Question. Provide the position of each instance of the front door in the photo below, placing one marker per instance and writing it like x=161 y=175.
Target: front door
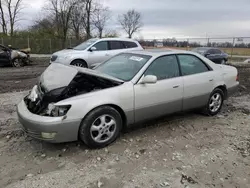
x=198 y=81
x=163 y=97
x=99 y=55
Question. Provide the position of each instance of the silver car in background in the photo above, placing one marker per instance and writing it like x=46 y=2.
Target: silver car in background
x=95 y=105
x=94 y=51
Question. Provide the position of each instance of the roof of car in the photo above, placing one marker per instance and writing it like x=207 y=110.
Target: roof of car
x=159 y=52
x=123 y=39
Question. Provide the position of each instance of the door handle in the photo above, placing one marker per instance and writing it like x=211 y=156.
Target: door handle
x=211 y=80
x=176 y=86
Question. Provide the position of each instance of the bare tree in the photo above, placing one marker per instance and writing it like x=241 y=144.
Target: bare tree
x=77 y=20
x=101 y=16
x=3 y=21
x=87 y=17
x=62 y=11
x=130 y=22
x=14 y=8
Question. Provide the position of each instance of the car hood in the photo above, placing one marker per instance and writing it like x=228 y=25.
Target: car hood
x=59 y=76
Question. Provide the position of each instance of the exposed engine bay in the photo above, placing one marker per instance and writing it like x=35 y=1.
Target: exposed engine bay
x=39 y=98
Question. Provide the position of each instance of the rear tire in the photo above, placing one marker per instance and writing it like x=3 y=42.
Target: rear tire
x=101 y=127
x=215 y=102
x=79 y=63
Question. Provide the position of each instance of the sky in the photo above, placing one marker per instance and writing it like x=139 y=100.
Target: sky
x=173 y=18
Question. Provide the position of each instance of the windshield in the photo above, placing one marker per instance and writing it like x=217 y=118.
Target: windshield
x=85 y=44
x=124 y=66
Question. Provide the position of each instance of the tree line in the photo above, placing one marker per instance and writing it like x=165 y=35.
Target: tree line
x=63 y=19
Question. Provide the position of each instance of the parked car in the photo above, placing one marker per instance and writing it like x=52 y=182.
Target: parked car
x=214 y=54
x=12 y=57
x=94 y=51
x=95 y=105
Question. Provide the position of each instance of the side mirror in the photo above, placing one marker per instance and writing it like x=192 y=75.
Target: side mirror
x=149 y=79
x=92 y=49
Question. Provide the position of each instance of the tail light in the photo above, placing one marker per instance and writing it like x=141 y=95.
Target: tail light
x=237 y=77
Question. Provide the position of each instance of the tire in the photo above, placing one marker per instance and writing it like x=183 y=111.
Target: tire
x=223 y=62
x=215 y=102
x=17 y=63
x=79 y=63
x=101 y=127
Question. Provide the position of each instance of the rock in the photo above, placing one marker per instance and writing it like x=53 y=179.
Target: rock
x=106 y=150
x=164 y=184
x=137 y=156
x=99 y=184
x=117 y=158
x=173 y=158
x=43 y=155
x=144 y=168
x=98 y=158
x=30 y=175
x=8 y=136
x=220 y=116
x=61 y=165
x=16 y=82
x=64 y=149
x=131 y=140
x=153 y=170
x=165 y=160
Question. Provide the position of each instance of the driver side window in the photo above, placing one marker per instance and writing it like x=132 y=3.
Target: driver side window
x=101 y=46
x=164 y=67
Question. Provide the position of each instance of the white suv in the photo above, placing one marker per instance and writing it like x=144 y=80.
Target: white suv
x=94 y=51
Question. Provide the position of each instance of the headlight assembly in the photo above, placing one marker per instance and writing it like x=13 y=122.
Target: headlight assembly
x=58 y=111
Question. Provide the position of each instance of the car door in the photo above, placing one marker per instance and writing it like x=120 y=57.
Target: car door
x=116 y=47
x=163 y=97
x=4 y=56
x=100 y=54
x=218 y=55
x=211 y=55
x=198 y=80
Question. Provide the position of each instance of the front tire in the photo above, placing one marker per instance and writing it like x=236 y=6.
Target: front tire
x=223 y=62
x=17 y=62
x=79 y=63
x=101 y=127
x=215 y=102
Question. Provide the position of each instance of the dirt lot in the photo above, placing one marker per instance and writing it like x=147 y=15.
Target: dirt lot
x=180 y=151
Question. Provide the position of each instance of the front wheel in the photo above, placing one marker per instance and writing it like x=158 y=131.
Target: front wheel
x=79 y=63
x=17 y=62
x=223 y=62
x=215 y=102
x=101 y=127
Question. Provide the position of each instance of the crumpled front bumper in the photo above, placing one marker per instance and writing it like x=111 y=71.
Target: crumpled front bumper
x=36 y=126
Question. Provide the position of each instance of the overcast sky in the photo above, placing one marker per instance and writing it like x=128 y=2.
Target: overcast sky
x=175 y=18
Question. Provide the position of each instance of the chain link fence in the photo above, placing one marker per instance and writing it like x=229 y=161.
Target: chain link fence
x=234 y=46
x=39 y=46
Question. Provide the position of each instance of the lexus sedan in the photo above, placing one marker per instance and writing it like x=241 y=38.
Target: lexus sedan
x=71 y=103
x=214 y=54
x=94 y=51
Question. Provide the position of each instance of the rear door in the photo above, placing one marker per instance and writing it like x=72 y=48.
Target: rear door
x=163 y=97
x=116 y=47
x=4 y=56
x=198 y=81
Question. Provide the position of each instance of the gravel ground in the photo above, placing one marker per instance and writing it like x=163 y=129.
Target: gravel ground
x=179 y=151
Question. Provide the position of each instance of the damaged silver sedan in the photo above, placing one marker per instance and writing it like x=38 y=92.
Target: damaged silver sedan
x=71 y=103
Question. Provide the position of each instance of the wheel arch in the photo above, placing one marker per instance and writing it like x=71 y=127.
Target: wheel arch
x=116 y=107
x=224 y=89
x=79 y=59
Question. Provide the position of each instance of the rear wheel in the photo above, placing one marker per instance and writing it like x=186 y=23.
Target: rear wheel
x=79 y=63
x=101 y=127
x=215 y=102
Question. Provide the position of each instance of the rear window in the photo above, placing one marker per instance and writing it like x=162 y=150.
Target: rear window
x=130 y=44
x=116 y=45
